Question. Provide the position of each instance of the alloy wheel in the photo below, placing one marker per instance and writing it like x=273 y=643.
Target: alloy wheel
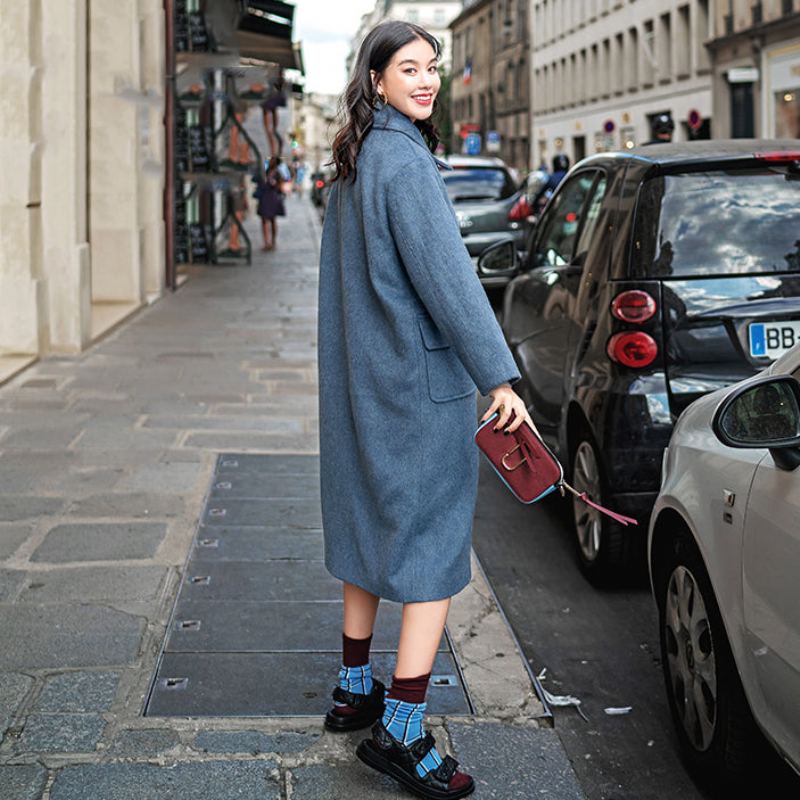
x=588 y=521
x=691 y=660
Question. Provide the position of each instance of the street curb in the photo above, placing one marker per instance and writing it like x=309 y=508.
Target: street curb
x=496 y=674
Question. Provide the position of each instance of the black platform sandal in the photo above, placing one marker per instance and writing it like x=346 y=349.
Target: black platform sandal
x=366 y=708
x=384 y=753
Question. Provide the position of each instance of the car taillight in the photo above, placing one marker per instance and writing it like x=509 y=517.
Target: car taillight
x=633 y=306
x=320 y=184
x=520 y=211
x=779 y=155
x=632 y=349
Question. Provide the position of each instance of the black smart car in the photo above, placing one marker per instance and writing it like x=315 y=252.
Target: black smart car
x=654 y=276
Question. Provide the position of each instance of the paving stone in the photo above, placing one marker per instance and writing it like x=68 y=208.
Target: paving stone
x=22 y=782
x=209 y=780
x=251 y=485
x=506 y=761
x=50 y=637
x=100 y=542
x=247 y=627
x=253 y=441
x=269 y=464
x=61 y=733
x=283 y=425
x=111 y=437
x=257 y=544
x=274 y=684
x=354 y=780
x=14 y=508
x=11 y=582
x=13 y=688
x=135 y=504
x=144 y=742
x=253 y=742
x=174 y=477
x=268 y=580
x=297 y=513
x=39 y=438
x=93 y=583
x=78 y=692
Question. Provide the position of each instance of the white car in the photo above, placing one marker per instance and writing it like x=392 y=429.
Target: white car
x=724 y=558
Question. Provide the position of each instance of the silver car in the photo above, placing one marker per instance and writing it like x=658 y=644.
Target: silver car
x=724 y=557
x=489 y=203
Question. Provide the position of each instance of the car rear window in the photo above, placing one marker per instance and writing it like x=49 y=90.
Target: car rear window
x=724 y=222
x=470 y=184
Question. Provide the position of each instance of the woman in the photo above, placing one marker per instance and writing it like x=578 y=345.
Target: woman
x=270 y=202
x=405 y=334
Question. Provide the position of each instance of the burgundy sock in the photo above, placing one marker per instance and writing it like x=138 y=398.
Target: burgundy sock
x=409 y=690
x=355 y=652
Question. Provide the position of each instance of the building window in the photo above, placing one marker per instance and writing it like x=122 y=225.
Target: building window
x=701 y=33
x=412 y=15
x=605 y=69
x=619 y=63
x=648 y=53
x=683 y=66
x=439 y=17
x=664 y=48
x=632 y=59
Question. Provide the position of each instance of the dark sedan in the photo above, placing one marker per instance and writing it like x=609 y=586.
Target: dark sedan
x=654 y=277
x=489 y=204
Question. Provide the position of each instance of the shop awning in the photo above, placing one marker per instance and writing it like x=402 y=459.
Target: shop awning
x=265 y=32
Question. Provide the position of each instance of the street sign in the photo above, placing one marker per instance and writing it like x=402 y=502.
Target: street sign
x=492 y=141
x=472 y=144
x=695 y=120
x=609 y=126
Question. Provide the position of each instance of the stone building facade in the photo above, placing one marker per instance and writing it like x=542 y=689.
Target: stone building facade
x=491 y=78
x=81 y=227
x=432 y=15
x=602 y=69
x=756 y=74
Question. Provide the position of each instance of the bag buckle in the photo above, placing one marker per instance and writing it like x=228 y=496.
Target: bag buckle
x=519 y=464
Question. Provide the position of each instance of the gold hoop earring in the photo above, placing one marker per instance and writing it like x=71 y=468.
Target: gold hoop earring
x=383 y=98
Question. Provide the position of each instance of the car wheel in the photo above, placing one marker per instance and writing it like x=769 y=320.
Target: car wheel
x=717 y=734
x=604 y=547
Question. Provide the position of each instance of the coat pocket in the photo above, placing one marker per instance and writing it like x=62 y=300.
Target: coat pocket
x=447 y=377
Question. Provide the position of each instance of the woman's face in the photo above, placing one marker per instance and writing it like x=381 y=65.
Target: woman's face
x=411 y=80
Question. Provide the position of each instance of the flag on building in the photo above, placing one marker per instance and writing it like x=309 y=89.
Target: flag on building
x=468 y=71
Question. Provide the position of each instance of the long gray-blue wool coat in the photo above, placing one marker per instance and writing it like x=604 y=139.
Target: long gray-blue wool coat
x=405 y=335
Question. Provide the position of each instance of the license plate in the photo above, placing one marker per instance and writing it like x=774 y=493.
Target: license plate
x=773 y=339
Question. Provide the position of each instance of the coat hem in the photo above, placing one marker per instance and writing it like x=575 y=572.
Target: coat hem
x=396 y=598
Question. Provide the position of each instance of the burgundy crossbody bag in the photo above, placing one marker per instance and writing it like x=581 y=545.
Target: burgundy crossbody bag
x=527 y=466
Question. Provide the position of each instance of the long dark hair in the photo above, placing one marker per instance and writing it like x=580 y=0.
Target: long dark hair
x=357 y=103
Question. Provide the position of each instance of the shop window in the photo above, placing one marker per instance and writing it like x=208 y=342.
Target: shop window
x=787 y=114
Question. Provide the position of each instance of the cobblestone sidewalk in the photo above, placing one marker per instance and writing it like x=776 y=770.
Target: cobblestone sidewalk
x=104 y=463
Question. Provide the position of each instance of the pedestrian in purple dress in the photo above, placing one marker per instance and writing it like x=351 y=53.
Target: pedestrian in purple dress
x=270 y=203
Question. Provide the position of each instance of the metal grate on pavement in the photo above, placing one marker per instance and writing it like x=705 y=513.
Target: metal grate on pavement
x=256 y=626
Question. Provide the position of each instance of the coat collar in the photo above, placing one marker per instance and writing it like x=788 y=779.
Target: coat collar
x=387 y=117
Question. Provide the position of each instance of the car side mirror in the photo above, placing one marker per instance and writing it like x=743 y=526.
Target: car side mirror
x=499 y=260
x=763 y=413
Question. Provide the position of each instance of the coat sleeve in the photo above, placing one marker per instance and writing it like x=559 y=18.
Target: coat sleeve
x=427 y=236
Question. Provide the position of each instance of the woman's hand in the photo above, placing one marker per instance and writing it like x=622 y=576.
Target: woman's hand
x=505 y=400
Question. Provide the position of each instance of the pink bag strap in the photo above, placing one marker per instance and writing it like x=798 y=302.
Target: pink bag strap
x=621 y=518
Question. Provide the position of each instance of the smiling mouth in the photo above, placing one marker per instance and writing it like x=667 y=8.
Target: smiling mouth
x=422 y=98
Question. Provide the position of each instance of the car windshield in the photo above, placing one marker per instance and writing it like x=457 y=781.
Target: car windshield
x=718 y=223
x=466 y=184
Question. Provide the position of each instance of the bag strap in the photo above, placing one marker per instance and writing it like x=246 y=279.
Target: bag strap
x=621 y=518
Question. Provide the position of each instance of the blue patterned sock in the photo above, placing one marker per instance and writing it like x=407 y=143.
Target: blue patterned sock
x=356 y=679
x=404 y=722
